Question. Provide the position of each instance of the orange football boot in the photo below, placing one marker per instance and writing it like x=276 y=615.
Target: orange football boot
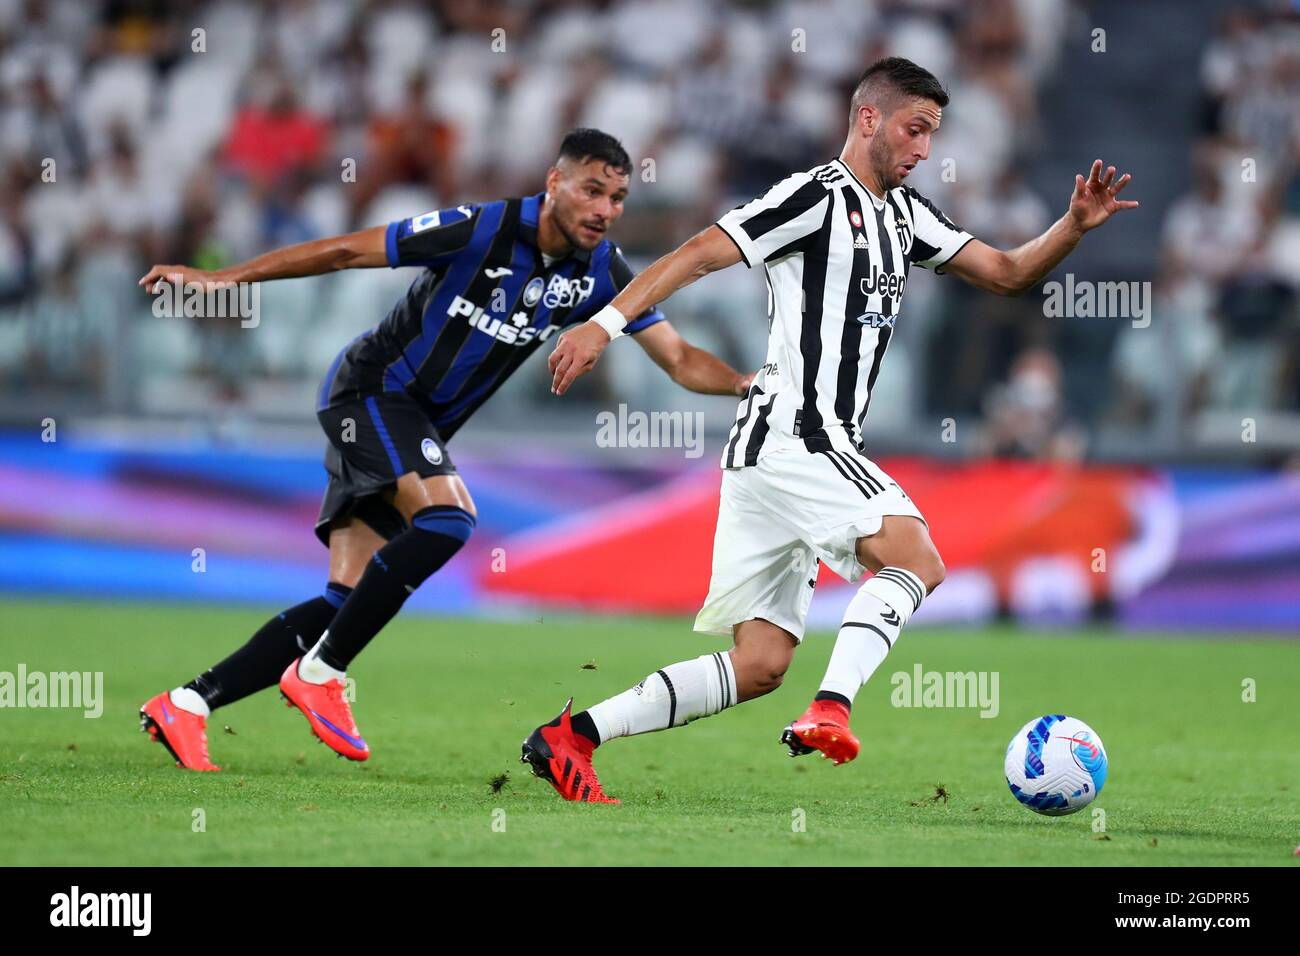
x=824 y=726
x=562 y=756
x=183 y=734
x=326 y=710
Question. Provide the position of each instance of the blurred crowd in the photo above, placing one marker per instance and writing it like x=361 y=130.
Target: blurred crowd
x=134 y=132
x=1228 y=286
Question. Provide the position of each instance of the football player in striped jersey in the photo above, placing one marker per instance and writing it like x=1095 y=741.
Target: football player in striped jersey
x=836 y=244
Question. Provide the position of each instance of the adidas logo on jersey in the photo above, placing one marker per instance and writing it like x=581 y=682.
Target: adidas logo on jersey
x=859 y=241
x=828 y=175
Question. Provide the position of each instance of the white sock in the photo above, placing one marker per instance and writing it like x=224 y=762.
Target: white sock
x=872 y=625
x=315 y=671
x=675 y=695
x=191 y=700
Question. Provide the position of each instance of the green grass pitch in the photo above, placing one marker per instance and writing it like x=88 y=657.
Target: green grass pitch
x=1197 y=776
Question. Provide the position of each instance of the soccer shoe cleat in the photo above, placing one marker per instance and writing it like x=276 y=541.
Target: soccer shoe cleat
x=183 y=734
x=562 y=756
x=327 y=711
x=824 y=726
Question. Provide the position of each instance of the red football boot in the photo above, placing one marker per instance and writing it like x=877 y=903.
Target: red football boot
x=557 y=753
x=326 y=710
x=183 y=734
x=824 y=726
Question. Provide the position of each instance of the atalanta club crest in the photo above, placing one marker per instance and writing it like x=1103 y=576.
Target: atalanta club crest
x=533 y=291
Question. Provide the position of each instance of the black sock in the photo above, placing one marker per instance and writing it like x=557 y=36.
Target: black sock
x=831 y=695
x=260 y=662
x=583 y=724
x=396 y=570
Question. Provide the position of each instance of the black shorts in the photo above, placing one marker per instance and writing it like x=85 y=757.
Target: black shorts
x=373 y=441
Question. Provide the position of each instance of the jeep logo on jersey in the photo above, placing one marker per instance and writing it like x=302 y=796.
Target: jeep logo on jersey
x=877 y=320
x=883 y=283
x=514 y=331
x=562 y=293
x=533 y=291
x=431 y=452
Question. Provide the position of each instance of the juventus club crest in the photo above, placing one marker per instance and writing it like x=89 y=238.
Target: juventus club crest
x=904 y=235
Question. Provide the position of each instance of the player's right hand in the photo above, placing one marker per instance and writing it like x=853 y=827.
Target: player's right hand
x=177 y=275
x=576 y=351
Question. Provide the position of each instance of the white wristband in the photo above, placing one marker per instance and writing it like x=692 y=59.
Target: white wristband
x=611 y=320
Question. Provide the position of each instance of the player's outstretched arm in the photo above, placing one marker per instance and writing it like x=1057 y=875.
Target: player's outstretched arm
x=577 y=350
x=356 y=250
x=1020 y=269
x=692 y=368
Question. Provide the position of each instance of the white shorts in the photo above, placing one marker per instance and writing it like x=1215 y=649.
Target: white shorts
x=778 y=519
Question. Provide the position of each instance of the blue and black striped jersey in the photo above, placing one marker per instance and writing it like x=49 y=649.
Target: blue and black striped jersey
x=483 y=302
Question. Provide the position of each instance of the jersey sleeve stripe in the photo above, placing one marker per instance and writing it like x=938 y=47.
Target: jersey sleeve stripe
x=748 y=251
x=390 y=244
x=801 y=202
x=784 y=213
x=786 y=237
x=736 y=242
x=938 y=266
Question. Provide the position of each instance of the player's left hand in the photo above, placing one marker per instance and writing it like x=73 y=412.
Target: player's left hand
x=743 y=383
x=179 y=276
x=1093 y=201
x=576 y=351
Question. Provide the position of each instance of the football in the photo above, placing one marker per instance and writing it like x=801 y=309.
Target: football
x=1056 y=765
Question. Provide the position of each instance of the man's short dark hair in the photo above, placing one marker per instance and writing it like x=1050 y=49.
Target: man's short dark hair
x=584 y=144
x=892 y=79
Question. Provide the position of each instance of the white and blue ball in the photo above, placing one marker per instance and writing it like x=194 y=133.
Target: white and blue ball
x=1056 y=765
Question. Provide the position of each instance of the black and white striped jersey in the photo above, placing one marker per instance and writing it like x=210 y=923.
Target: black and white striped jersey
x=837 y=260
